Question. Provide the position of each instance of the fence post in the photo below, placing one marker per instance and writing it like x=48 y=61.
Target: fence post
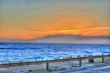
x=91 y=59
x=47 y=66
x=102 y=58
x=80 y=61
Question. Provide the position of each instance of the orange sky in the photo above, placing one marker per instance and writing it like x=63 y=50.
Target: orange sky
x=29 y=20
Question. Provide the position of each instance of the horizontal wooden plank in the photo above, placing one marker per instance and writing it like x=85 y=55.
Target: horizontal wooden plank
x=12 y=64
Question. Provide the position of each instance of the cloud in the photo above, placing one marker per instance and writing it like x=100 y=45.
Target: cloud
x=98 y=31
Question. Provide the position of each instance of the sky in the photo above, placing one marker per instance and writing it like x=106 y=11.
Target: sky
x=27 y=19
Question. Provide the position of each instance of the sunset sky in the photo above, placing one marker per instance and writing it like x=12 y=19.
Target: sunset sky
x=27 y=19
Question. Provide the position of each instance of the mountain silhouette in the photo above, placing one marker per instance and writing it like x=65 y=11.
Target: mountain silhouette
x=75 y=39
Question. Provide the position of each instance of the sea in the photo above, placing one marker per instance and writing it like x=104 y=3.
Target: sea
x=26 y=52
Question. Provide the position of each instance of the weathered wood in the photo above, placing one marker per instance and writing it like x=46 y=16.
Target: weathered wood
x=80 y=61
x=91 y=59
x=102 y=58
x=50 y=61
x=47 y=66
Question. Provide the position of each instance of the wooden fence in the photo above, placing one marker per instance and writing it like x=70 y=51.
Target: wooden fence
x=47 y=62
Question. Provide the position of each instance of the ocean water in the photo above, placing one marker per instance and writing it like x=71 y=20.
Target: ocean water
x=15 y=52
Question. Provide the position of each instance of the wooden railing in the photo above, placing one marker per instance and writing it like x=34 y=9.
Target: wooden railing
x=47 y=62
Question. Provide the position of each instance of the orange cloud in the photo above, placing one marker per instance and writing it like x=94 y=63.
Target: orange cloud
x=97 y=31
